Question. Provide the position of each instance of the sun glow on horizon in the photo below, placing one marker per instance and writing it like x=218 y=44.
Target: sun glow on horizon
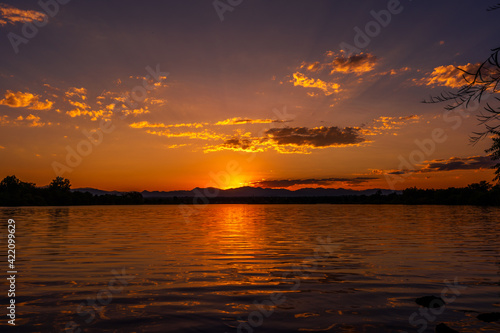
x=236 y=182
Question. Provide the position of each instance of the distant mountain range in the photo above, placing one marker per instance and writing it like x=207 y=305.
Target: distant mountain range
x=247 y=192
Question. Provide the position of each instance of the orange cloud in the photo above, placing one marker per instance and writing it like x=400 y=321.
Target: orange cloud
x=80 y=105
x=395 y=71
x=13 y=15
x=79 y=92
x=30 y=120
x=176 y=146
x=159 y=82
x=4 y=120
x=94 y=115
x=35 y=121
x=133 y=112
x=328 y=88
x=230 y=121
x=239 y=121
x=312 y=67
x=146 y=124
x=83 y=109
x=448 y=76
x=155 y=101
x=27 y=100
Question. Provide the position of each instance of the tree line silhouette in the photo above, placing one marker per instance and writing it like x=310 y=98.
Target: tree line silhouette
x=14 y=192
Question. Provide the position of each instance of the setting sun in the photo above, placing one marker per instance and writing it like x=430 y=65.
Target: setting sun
x=236 y=181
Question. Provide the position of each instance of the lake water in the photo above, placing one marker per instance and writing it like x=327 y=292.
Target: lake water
x=252 y=268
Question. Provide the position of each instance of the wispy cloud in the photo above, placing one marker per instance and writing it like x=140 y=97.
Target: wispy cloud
x=393 y=72
x=93 y=114
x=230 y=121
x=146 y=124
x=134 y=112
x=202 y=135
x=176 y=146
x=160 y=82
x=240 y=121
x=12 y=15
x=155 y=101
x=390 y=125
x=21 y=99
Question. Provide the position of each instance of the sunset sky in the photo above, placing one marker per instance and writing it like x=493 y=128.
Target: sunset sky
x=179 y=94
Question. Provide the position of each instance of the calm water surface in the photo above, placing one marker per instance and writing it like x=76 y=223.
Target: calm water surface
x=315 y=268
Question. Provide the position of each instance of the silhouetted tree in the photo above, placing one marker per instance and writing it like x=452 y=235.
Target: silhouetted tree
x=14 y=191
x=60 y=184
x=481 y=82
x=12 y=183
x=482 y=186
x=495 y=154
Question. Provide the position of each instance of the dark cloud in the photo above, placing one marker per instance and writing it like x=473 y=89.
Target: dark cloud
x=315 y=137
x=458 y=163
x=282 y=183
x=451 y=164
x=238 y=143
